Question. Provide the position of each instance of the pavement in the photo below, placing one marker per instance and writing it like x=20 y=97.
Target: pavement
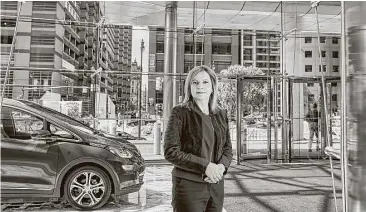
x=251 y=186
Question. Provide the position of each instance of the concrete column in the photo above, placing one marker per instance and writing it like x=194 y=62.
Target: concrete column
x=21 y=51
x=356 y=107
x=170 y=56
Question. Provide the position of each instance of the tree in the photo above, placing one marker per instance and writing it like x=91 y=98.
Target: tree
x=254 y=93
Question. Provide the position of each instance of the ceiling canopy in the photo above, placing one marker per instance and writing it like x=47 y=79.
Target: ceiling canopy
x=255 y=15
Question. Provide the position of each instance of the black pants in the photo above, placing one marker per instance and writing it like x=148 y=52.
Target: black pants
x=192 y=196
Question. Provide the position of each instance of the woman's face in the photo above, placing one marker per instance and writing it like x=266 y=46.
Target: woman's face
x=201 y=86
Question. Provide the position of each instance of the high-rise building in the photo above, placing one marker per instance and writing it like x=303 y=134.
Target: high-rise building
x=43 y=43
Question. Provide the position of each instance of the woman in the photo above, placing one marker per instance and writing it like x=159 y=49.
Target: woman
x=197 y=142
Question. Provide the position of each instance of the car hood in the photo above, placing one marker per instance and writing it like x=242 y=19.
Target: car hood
x=111 y=140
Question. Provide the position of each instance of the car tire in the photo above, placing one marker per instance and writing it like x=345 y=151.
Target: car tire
x=87 y=188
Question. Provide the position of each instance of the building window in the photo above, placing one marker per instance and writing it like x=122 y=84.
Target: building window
x=221 y=65
x=334 y=40
x=324 y=54
x=188 y=65
x=308 y=54
x=308 y=68
x=8 y=22
x=159 y=47
x=324 y=68
x=335 y=54
x=189 y=48
x=6 y=39
x=333 y=84
x=221 y=48
x=160 y=66
x=334 y=97
x=308 y=39
x=310 y=97
x=310 y=84
x=322 y=39
x=335 y=68
x=221 y=32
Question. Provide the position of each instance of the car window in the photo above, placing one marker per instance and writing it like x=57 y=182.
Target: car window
x=59 y=132
x=21 y=125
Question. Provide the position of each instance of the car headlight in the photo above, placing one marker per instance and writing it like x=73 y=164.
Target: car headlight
x=122 y=153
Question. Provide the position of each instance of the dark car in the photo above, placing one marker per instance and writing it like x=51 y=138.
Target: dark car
x=47 y=154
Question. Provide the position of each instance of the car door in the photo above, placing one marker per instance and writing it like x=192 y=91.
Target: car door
x=28 y=163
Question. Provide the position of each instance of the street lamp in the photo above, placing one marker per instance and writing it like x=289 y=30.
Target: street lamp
x=140 y=89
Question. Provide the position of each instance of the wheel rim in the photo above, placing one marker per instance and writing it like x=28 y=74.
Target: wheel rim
x=87 y=189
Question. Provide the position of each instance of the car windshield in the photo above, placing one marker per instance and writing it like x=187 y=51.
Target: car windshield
x=77 y=124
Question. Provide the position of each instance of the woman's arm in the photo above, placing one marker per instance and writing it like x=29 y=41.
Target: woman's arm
x=172 y=146
x=227 y=152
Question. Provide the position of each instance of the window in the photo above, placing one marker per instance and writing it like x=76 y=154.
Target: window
x=310 y=84
x=335 y=54
x=20 y=125
x=333 y=84
x=189 y=48
x=221 y=48
x=324 y=54
x=310 y=97
x=6 y=39
x=221 y=32
x=8 y=22
x=159 y=47
x=58 y=132
x=334 y=40
x=220 y=65
x=324 y=68
x=308 y=40
x=322 y=39
x=308 y=54
x=334 y=97
x=188 y=65
x=308 y=68
x=160 y=66
x=335 y=68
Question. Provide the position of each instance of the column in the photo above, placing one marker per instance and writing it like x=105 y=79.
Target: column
x=170 y=50
x=355 y=28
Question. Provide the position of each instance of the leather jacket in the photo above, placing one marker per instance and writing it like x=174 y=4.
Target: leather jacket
x=183 y=139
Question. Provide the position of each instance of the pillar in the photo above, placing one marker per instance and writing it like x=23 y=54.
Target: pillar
x=355 y=28
x=170 y=56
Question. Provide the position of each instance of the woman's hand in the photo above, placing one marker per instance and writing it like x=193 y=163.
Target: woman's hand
x=214 y=173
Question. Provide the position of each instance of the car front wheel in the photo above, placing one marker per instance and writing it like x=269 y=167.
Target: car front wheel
x=87 y=188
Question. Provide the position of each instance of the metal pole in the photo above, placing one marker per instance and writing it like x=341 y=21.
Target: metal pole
x=275 y=120
x=169 y=57
x=11 y=53
x=140 y=90
x=326 y=122
x=238 y=120
x=344 y=156
x=290 y=105
x=268 y=105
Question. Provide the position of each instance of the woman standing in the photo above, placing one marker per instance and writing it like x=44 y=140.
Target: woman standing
x=197 y=142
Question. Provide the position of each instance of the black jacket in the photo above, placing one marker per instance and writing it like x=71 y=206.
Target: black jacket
x=183 y=139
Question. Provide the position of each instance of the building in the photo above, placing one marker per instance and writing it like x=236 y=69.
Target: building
x=123 y=49
x=43 y=43
x=217 y=48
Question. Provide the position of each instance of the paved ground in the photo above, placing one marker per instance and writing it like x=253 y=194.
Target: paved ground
x=252 y=186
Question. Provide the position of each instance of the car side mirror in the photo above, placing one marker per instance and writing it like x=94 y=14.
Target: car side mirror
x=41 y=134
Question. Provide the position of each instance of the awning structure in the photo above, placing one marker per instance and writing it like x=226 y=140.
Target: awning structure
x=254 y=15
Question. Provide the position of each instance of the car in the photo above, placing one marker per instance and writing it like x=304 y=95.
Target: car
x=46 y=154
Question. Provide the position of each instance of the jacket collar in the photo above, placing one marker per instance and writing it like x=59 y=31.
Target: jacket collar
x=192 y=106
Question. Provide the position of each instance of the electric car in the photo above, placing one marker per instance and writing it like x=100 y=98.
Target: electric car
x=46 y=154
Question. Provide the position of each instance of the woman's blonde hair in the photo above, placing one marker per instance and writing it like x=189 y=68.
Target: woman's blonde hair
x=187 y=86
